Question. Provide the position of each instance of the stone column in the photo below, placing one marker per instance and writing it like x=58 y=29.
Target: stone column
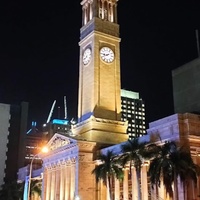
x=91 y=12
x=76 y=175
x=44 y=183
x=48 y=184
x=87 y=12
x=102 y=190
x=134 y=184
x=115 y=13
x=107 y=190
x=72 y=186
x=153 y=192
x=62 y=174
x=125 y=185
x=102 y=10
x=58 y=169
x=111 y=13
x=161 y=190
x=144 y=183
x=52 y=192
x=85 y=15
x=67 y=182
x=117 y=189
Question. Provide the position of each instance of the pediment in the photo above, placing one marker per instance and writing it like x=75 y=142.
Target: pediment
x=58 y=141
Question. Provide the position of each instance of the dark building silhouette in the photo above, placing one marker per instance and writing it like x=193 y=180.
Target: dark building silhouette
x=186 y=87
x=13 y=120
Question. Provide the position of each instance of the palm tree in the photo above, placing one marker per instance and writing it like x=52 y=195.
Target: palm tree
x=36 y=187
x=11 y=191
x=169 y=163
x=132 y=153
x=108 y=170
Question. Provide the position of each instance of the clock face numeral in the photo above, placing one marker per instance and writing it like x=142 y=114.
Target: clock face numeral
x=87 y=56
x=107 y=54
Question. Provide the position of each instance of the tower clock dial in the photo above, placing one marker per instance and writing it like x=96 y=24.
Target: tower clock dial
x=87 y=56
x=107 y=54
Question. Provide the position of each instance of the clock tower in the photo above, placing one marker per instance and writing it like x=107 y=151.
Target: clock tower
x=99 y=100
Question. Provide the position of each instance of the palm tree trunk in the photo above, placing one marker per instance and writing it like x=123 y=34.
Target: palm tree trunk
x=138 y=183
x=110 y=188
x=175 y=187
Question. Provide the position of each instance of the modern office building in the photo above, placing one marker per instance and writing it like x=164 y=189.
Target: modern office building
x=62 y=126
x=186 y=87
x=13 y=126
x=133 y=111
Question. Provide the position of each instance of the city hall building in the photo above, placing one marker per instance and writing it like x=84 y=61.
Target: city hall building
x=67 y=167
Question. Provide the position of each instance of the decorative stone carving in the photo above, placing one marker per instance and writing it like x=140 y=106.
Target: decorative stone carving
x=58 y=142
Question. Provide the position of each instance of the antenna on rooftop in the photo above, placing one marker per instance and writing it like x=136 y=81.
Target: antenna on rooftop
x=51 y=111
x=197 y=37
x=58 y=112
x=65 y=107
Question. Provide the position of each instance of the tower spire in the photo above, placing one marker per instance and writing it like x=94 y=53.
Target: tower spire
x=65 y=107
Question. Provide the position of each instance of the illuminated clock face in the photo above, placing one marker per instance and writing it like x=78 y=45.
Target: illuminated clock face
x=87 y=56
x=107 y=54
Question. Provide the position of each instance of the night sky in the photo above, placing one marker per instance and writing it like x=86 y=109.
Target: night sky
x=39 y=52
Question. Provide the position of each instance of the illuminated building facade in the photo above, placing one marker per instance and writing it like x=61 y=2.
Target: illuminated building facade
x=99 y=107
x=133 y=110
x=182 y=128
x=66 y=167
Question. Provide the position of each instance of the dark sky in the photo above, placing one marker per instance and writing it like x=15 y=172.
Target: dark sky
x=39 y=52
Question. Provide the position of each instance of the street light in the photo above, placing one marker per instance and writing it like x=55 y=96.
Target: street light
x=44 y=150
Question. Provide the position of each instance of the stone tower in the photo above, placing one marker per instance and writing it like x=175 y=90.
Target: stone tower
x=99 y=100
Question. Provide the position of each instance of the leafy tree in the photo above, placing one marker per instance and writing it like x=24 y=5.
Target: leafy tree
x=11 y=191
x=108 y=170
x=170 y=162
x=132 y=154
